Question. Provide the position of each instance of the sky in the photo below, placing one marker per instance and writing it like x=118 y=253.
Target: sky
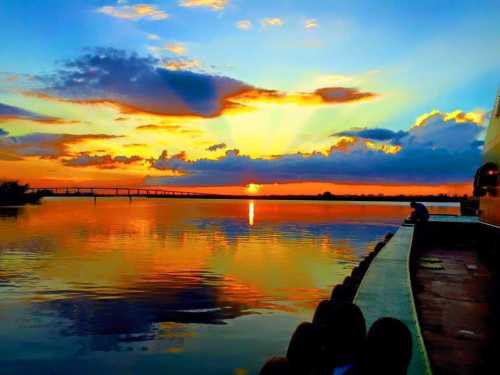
x=235 y=96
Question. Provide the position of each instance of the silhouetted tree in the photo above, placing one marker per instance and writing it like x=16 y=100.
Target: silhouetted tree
x=12 y=192
x=327 y=195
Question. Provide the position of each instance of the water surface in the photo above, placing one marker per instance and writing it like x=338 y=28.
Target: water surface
x=174 y=286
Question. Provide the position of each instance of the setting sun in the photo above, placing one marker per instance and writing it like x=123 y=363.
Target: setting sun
x=253 y=188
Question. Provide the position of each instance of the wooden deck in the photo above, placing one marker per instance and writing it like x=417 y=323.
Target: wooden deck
x=386 y=291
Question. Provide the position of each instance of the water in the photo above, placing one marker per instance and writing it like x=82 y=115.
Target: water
x=171 y=286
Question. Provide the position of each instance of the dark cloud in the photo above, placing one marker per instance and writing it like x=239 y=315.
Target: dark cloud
x=377 y=134
x=322 y=96
x=11 y=112
x=45 y=145
x=141 y=84
x=165 y=162
x=144 y=84
x=101 y=161
x=343 y=94
x=437 y=152
x=218 y=146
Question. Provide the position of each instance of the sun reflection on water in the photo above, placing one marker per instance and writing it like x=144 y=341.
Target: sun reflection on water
x=251 y=212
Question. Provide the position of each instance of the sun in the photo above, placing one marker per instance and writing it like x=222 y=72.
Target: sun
x=253 y=188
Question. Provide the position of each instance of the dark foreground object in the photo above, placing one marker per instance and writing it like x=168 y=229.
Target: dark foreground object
x=336 y=339
x=14 y=194
x=456 y=289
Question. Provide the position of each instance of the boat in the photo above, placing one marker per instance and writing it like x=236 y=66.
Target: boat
x=486 y=181
x=439 y=278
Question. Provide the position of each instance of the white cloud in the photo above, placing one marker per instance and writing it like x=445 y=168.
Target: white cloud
x=153 y=37
x=310 y=24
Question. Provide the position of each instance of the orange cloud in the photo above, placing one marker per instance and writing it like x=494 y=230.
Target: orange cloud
x=45 y=145
x=384 y=147
x=47 y=121
x=239 y=102
x=192 y=64
x=183 y=111
x=236 y=103
x=344 y=144
x=458 y=116
x=134 y=12
x=133 y=145
x=327 y=95
x=177 y=48
x=154 y=127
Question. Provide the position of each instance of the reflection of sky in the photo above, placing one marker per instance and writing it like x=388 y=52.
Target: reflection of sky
x=184 y=284
x=357 y=235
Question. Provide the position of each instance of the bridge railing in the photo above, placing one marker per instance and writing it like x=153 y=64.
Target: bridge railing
x=112 y=191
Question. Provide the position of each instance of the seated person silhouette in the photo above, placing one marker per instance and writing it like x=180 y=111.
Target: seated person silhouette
x=419 y=213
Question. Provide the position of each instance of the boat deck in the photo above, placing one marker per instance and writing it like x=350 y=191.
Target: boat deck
x=455 y=294
x=453 y=219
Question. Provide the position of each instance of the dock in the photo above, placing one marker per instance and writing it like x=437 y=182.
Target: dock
x=438 y=278
x=386 y=290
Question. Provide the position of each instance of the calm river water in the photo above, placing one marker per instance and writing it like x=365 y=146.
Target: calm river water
x=171 y=286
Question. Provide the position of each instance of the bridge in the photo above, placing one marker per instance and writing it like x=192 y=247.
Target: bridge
x=95 y=192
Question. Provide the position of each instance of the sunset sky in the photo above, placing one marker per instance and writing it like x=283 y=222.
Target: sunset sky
x=281 y=97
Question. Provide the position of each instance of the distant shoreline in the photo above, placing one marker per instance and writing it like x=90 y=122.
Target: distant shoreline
x=333 y=198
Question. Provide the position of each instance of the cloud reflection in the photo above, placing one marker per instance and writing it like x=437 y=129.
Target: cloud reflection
x=117 y=275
